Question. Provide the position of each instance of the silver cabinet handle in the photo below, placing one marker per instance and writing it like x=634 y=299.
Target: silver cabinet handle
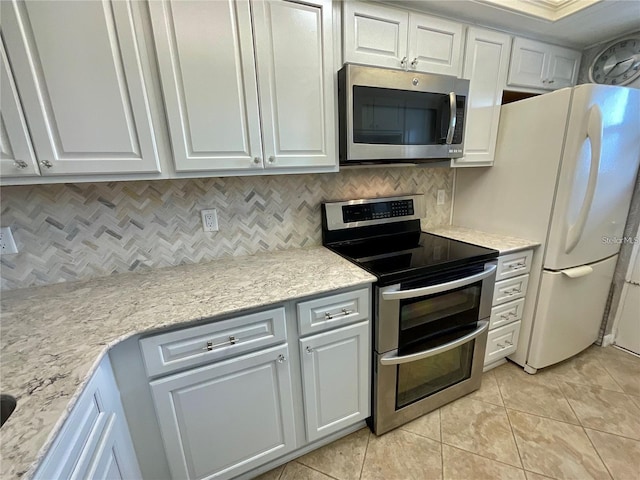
x=513 y=291
x=508 y=342
x=309 y=350
x=516 y=265
x=452 y=119
x=392 y=357
x=46 y=163
x=403 y=62
x=551 y=81
x=443 y=287
x=414 y=63
x=505 y=317
x=20 y=164
x=256 y=160
x=345 y=312
x=210 y=345
x=272 y=159
x=282 y=358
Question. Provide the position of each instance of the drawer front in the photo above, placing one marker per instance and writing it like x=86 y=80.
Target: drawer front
x=501 y=342
x=333 y=311
x=514 y=264
x=194 y=346
x=510 y=289
x=506 y=313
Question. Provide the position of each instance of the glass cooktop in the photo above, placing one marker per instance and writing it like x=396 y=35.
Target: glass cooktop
x=395 y=258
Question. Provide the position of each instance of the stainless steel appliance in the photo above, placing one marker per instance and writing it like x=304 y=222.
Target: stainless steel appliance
x=393 y=116
x=432 y=303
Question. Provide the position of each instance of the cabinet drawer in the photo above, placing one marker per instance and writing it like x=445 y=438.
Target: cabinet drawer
x=501 y=342
x=506 y=313
x=514 y=264
x=334 y=311
x=510 y=289
x=198 y=345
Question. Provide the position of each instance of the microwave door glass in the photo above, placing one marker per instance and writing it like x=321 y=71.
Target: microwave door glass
x=398 y=117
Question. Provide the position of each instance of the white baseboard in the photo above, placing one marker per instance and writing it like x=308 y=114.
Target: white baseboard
x=608 y=340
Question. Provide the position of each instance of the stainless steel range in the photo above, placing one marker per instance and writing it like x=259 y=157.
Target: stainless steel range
x=432 y=303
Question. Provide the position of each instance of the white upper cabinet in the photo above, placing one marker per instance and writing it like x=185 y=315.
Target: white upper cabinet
x=486 y=65
x=294 y=52
x=375 y=35
x=539 y=65
x=388 y=37
x=207 y=66
x=435 y=45
x=78 y=71
x=225 y=115
x=17 y=157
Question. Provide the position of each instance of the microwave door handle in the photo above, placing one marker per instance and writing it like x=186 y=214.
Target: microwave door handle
x=452 y=117
x=441 y=287
x=392 y=358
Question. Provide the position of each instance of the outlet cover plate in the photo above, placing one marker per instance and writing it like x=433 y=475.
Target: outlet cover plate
x=440 y=200
x=7 y=244
x=209 y=220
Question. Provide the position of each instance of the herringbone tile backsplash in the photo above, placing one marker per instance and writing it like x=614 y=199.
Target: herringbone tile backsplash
x=69 y=232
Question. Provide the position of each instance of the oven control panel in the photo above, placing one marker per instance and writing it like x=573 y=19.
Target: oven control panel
x=372 y=211
x=377 y=211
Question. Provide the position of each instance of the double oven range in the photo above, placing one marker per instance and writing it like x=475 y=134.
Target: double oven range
x=432 y=303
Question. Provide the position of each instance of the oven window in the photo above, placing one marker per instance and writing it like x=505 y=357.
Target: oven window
x=424 y=317
x=419 y=379
x=397 y=117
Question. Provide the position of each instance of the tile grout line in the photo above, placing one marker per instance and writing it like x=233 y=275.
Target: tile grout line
x=315 y=470
x=482 y=456
x=608 y=372
x=597 y=453
x=513 y=434
x=364 y=458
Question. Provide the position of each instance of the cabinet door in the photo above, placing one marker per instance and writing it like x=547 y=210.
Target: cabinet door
x=78 y=70
x=207 y=66
x=435 y=45
x=335 y=379
x=563 y=67
x=374 y=35
x=94 y=441
x=486 y=65
x=16 y=153
x=529 y=63
x=226 y=418
x=294 y=52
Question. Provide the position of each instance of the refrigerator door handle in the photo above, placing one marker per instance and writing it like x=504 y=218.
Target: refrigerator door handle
x=577 y=272
x=594 y=134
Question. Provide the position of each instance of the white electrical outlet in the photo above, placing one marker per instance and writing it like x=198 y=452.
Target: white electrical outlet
x=209 y=220
x=440 y=197
x=7 y=245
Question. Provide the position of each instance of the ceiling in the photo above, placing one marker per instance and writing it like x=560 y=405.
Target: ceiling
x=577 y=23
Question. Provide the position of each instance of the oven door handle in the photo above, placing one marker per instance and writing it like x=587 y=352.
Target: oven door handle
x=391 y=358
x=442 y=287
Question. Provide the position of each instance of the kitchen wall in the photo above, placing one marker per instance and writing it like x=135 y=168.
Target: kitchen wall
x=69 y=232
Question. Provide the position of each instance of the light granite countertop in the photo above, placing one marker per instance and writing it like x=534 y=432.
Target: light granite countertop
x=53 y=337
x=502 y=243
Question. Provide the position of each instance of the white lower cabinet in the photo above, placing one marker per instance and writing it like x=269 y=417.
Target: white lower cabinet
x=509 y=297
x=226 y=418
x=94 y=442
x=335 y=379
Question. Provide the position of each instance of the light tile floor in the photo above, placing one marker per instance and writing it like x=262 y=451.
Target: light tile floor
x=577 y=420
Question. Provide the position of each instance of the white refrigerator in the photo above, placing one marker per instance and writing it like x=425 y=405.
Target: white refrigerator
x=563 y=176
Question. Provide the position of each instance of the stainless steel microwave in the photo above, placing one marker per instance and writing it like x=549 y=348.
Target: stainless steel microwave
x=391 y=116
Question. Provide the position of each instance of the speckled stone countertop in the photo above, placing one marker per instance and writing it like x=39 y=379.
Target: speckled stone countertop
x=53 y=337
x=502 y=243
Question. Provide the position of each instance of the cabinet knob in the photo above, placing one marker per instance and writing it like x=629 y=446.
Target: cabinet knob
x=403 y=62
x=20 y=164
x=328 y=316
x=256 y=160
x=309 y=350
x=282 y=358
x=46 y=163
x=551 y=81
x=414 y=62
x=272 y=159
x=346 y=312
